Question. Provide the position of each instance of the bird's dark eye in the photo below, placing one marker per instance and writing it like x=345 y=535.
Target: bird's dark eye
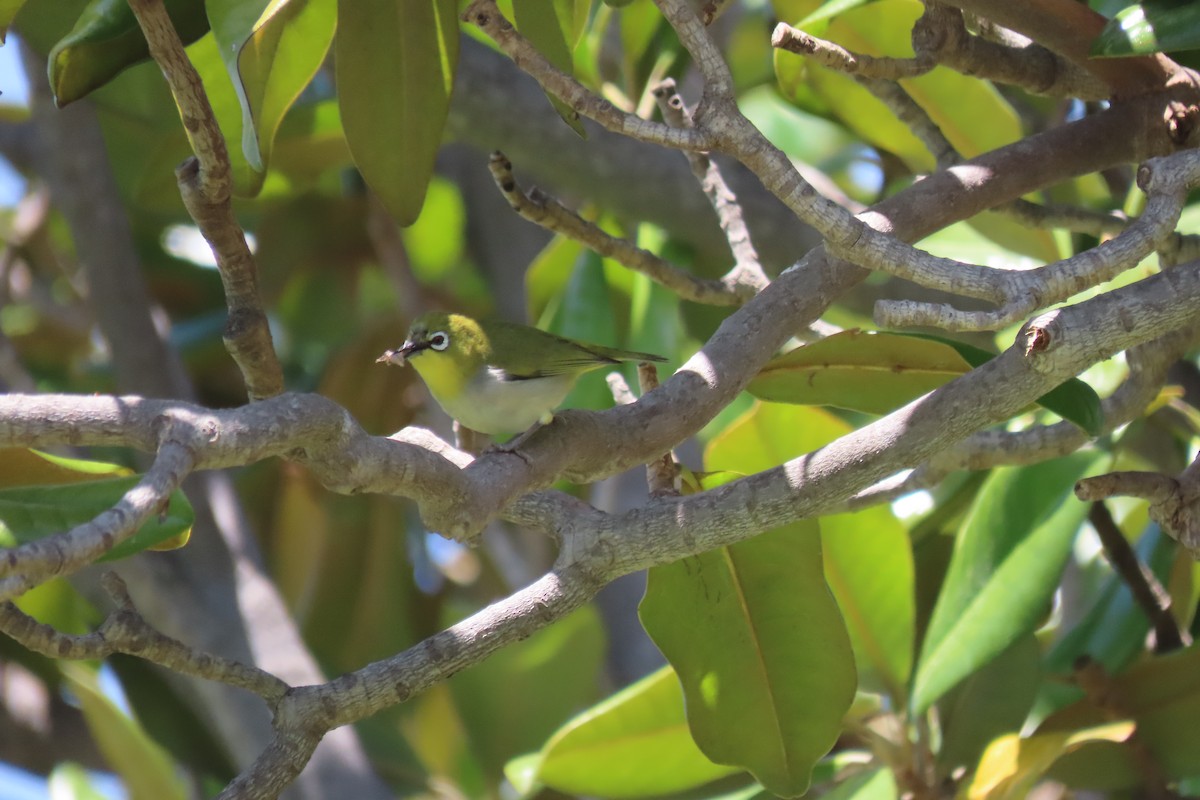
x=439 y=341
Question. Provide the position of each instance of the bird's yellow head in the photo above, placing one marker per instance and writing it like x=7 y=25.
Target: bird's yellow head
x=445 y=349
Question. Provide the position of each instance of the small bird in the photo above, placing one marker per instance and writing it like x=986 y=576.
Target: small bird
x=498 y=377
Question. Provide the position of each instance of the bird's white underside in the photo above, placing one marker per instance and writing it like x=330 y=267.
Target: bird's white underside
x=491 y=404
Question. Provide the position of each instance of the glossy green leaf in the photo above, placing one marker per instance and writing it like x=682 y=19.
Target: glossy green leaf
x=654 y=323
x=1145 y=28
x=584 y=313
x=867 y=559
x=144 y=767
x=1004 y=570
x=57 y=603
x=769 y=434
x=878 y=612
x=640 y=24
x=8 y=10
x=1073 y=400
x=106 y=39
x=993 y=701
x=271 y=50
x=33 y=512
x=633 y=744
x=869 y=566
x=872 y=372
x=550 y=27
x=752 y=630
x=395 y=69
x=760 y=647
x=879 y=372
x=525 y=682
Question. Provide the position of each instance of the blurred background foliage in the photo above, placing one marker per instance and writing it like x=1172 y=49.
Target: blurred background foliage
x=953 y=621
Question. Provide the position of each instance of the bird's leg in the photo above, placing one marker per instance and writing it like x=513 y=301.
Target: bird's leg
x=469 y=440
x=514 y=443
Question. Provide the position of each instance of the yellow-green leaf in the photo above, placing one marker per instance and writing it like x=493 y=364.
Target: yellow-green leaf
x=760 y=647
x=873 y=372
x=395 y=70
x=8 y=10
x=106 y=39
x=635 y=743
x=271 y=49
x=1011 y=765
x=550 y=26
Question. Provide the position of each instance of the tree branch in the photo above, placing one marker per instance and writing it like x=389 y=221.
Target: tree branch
x=206 y=185
x=125 y=631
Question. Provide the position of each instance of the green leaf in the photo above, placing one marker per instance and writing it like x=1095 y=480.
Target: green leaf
x=971 y=113
x=770 y=434
x=550 y=27
x=271 y=50
x=752 y=630
x=879 y=372
x=33 y=512
x=867 y=558
x=869 y=567
x=1145 y=28
x=995 y=700
x=106 y=39
x=872 y=372
x=585 y=313
x=1004 y=570
x=760 y=647
x=8 y=10
x=633 y=744
x=145 y=768
x=1073 y=400
x=309 y=143
x=395 y=70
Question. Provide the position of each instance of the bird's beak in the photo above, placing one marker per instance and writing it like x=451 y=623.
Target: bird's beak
x=400 y=357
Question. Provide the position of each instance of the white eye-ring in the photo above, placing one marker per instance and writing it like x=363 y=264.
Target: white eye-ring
x=439 y=341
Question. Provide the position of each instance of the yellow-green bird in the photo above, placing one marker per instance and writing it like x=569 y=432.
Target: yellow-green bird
x=498 y=377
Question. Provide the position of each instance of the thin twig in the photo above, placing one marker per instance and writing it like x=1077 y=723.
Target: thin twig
x=125 y=631
x=836 y=57
x=206 y=185
x=541 y=209
x=1148 y=593
x=36 y=562
x=662 y=474
x=747 y=269
x=1166 y=181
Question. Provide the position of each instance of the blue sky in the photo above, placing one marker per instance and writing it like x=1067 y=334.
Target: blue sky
x=14 y=90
